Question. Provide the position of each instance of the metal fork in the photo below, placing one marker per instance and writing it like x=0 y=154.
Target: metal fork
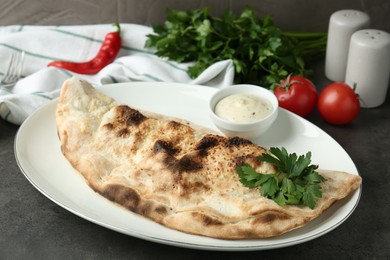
x=14 y=70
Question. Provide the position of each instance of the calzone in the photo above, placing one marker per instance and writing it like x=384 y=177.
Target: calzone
x=175 y=173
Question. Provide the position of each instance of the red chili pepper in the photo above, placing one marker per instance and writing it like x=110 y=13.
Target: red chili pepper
x=107 y=53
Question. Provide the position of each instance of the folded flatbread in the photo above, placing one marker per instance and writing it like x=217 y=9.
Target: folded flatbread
x=175 y=173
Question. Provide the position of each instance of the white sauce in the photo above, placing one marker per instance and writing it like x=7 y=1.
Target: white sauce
x=243 y=108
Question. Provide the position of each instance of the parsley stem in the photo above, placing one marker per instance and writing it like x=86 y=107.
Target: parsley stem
x=305 y=35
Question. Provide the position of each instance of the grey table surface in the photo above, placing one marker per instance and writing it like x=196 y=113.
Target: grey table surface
x=34 y=227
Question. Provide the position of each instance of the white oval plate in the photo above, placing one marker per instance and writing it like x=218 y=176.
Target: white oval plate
x=37 y=150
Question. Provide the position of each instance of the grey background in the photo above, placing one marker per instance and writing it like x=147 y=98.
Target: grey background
x=302 y=15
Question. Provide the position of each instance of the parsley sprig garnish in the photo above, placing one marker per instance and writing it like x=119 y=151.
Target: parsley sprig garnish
x=296 y=181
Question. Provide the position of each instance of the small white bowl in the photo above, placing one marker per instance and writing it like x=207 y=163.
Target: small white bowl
x=245 y=130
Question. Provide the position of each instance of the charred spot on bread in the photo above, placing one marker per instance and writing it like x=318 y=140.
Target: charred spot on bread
x=236 y=142
x=122 y=195
x=186 y=163
x=109 y=126
x=145 y=209
x=161 y=210
x=271 y=216
x=129 y=116
x=164 y=146
x=206 y=220
x=206 y=143
x=123 y=132
x=189 y=188
x=174 y=125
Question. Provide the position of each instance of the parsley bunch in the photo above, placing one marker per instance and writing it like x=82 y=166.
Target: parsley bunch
x=295 y=182
x=261 y=52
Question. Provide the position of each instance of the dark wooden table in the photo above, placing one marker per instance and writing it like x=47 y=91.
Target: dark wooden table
x=33 y=227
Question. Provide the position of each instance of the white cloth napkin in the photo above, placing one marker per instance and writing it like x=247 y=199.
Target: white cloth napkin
x=42 y=44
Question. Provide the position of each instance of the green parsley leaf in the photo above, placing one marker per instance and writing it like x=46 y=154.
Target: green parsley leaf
x=248 y=176
x=296 y=180
x=270 y=186
x=311 y=194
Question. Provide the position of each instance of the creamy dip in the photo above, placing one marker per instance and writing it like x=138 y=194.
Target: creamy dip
x=243 y=108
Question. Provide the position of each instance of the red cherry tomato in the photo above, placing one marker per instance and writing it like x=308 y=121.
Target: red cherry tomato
x=338 y=104
x=297 y=94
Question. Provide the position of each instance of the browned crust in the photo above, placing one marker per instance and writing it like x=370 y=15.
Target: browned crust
x=177 y=174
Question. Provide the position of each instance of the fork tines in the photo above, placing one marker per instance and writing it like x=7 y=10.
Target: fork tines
x=14 y=69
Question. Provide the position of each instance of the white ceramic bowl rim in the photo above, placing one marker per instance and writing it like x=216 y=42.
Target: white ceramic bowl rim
x=242 y=88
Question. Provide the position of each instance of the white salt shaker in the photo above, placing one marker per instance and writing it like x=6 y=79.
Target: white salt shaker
x=368 y=66
x=342 y=24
